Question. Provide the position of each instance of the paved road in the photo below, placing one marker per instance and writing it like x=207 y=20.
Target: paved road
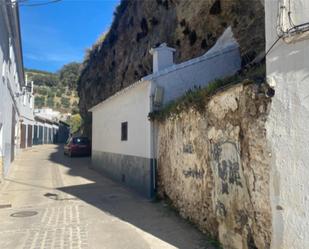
x=52 y=201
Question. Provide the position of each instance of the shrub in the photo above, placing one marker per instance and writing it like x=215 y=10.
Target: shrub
x=75 y=122
x=50 y=102
x=65 y=102
x=50 y=94
x=68 y=92
x=39 y=101
x=59 y=93
x=42 y=90
x=197 y=97
x=58 y=105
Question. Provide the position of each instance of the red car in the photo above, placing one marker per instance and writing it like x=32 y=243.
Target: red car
x=78 y=146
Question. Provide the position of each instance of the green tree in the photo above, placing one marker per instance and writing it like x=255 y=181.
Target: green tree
x=50 y=93
x=75 y=122
x=58 y=105
x=42 y=90
x=59 y=93
x=75 y=110
x=65 y=102
x=69 y=92
x=39 y=101
x=44 y=79
x=68 y=75
x=50 y=102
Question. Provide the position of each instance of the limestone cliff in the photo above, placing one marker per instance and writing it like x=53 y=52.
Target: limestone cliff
x=192 y=27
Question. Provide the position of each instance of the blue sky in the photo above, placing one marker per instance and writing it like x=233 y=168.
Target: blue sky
x=58 y=33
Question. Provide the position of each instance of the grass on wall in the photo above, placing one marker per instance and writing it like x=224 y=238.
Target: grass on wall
x=197 y=97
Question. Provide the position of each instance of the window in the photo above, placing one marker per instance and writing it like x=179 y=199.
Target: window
x=124 y=131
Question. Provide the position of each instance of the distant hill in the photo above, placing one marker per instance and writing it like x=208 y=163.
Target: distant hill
x=56 y=90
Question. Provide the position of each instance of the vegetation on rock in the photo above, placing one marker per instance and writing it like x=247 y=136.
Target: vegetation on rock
x=121 y=56
x=196 y=98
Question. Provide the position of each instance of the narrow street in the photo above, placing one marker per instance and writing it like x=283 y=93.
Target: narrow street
x=52 y=201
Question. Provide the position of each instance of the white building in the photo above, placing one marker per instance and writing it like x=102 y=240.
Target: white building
x=47 y=113
x=123 y=137
x=45 y=131
x=287 y=127
x=16 y=100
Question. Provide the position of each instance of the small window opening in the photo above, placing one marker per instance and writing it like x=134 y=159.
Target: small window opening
x=124 y=131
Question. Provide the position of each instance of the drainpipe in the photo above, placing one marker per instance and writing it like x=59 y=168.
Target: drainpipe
x=152 y=142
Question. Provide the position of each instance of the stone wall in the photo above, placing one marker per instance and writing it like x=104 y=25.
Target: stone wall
x=214 y=166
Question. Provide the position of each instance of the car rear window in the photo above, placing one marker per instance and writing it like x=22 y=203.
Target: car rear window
x=80 y=140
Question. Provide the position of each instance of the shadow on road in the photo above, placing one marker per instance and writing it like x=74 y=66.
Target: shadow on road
x=155 y=218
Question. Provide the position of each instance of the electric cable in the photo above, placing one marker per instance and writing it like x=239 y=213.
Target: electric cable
x=271 y=47
x=27 y=3
x=39 y=4
x=301 y=28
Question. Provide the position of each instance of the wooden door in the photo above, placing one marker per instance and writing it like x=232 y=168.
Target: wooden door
x=29 y=143
x=23 y=130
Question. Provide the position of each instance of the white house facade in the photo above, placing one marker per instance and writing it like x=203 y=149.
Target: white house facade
x=44 y=131
x=123 y=139
x=287 y=37
x=16 y=99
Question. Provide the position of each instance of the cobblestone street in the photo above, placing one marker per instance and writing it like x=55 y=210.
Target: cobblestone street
x=52 y=201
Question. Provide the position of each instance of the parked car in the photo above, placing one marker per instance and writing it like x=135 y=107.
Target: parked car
x=78 y=146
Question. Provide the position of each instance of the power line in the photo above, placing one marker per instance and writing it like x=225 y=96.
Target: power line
x=27 y=3
x=38 y=4
x=293 y=29
x=271 y=47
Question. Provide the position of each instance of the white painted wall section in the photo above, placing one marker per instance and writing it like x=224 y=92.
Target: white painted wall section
x=133 y=107
x=162 y=57
x=220 y=61
x=288 y=131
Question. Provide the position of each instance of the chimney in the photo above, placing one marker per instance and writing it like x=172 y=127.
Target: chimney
x=162 y=57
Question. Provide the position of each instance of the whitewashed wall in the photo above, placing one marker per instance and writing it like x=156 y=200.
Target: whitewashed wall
x=178 y=79
x=222 y=60
x=8 y=78
x=11 y=80
x=133 y=106
x=288 y=132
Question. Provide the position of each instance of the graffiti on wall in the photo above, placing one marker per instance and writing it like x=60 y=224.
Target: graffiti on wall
x=194 y=173
x=227 y=163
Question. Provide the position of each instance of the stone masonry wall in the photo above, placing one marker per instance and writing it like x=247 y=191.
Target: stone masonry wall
x=214 y=166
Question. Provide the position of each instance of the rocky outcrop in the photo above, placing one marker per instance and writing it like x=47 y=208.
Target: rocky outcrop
x=192 y=27
x=214 y=166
